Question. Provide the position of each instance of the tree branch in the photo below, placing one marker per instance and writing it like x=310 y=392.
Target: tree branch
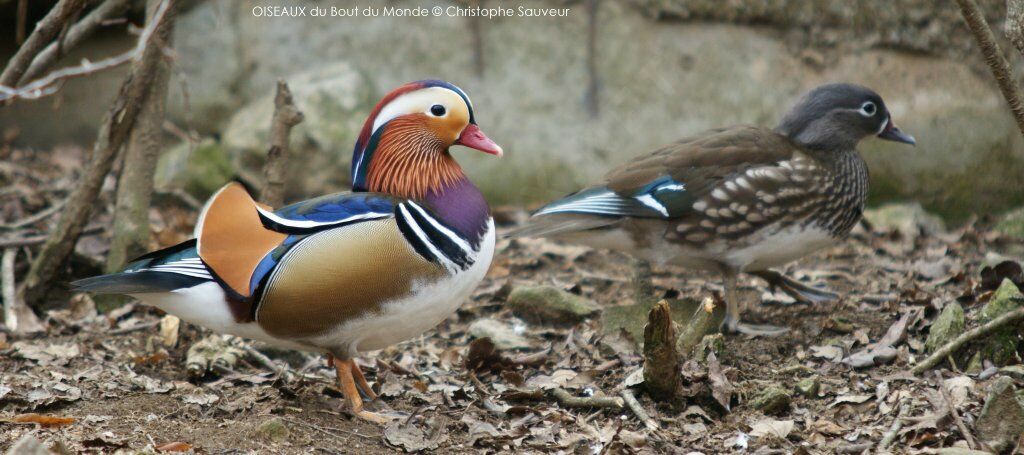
x=45 y=31
x=114 y=130
x=286 y=115
x=79 y=32
x=994 y=58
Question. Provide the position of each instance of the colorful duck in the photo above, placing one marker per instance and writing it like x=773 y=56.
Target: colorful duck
x=346 y=272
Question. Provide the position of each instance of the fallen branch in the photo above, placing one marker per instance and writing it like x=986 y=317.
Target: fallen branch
x=638 y=410
x=286 y=115
x=116 y=126
x=262 y=359
x=994 y=58
x=897 y=424
x=45 y=31
x=953 y=412
x=35 y=217
x=76 y=34
x=700 y=324
x=38 y=239
x=977 y=332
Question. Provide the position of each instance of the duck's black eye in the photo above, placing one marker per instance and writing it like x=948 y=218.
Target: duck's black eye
x=437 y=110
x=868 y=109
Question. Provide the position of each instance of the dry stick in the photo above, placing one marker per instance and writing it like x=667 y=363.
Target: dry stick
x=894 y=430
x=634 y=405
x=38 y=239
x=116 y=126
x=286 y=115
x=48 y=84
x=78 y=33
x=568 y=400
x=956 y=415
x=131 y=235
x=35 y=217
x=45 y=31
x=994 y=58
x=17 y=317
x=19 y=35
x=977 y=332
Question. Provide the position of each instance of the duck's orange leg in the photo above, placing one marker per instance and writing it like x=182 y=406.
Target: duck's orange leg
x=347 y=371
x=364 y=386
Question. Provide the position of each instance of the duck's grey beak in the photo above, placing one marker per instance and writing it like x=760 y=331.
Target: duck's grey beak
x=893 y=133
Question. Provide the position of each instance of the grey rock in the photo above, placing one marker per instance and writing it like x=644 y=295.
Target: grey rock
x=1001 y=420
x=550 y=305
x=503 y=336
x=28 y=445
x=910 y=219
x=1012 y=224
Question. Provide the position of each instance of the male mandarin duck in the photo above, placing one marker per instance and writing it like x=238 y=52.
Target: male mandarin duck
x=346 y=272
x=737 y=199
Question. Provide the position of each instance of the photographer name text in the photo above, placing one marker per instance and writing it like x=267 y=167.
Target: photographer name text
x=394 y=11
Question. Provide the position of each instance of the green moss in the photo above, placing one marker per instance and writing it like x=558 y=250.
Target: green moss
x=1001 y=345
x=949 y=325
x=1012 y=224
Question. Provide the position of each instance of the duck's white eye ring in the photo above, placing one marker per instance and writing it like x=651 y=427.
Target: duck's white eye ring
x=868 y=109
x=438 y=110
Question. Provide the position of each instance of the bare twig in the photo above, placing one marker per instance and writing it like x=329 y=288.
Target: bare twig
x=262 y=359
x=286 y=115
x=35 y=217
x=958 y=342
x=953 y=412
x=45 y=31
x=568 y=400
x=38 y=239
x=638 y=410
x=661 y=361
x=894 y=430
x=76 y=34
x=19 y=34
x=114 y=130
x=854 y=448
x=994 y=58
x=130 y=228
x=48 y=85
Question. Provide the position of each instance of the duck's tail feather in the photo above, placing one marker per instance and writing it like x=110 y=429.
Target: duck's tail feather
x=555 y=225
x=143 y=282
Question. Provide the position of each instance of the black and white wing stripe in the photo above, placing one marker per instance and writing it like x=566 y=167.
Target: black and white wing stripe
x=192 y=267
x=432 y=239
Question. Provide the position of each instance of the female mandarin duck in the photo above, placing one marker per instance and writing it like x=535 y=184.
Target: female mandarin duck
x=739 y=199
x=347 y=272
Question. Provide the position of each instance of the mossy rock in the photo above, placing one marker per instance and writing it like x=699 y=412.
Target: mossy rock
x=1012 y=224
x=949 y=325
x=771 y=399
x=200 y=170
x=1001 y=345
x=550 y=305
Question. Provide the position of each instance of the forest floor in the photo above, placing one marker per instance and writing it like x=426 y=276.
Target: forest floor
x=104 y=382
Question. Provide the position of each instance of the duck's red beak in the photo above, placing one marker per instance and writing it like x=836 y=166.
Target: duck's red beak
x=473 y=138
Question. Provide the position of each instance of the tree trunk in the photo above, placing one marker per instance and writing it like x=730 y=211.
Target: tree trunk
x=131 y=234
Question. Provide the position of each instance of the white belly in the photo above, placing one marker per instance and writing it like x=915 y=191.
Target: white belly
x=429 y=305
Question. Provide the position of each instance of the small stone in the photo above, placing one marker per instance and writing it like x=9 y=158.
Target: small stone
x=949 y=325
x=1001 y=420
x=772 y=399
x=273 y=430
x=809 y=387
x=550 y=305
x=909 y=219
x=28 y=445
x=503 y=336
x=1002 y=344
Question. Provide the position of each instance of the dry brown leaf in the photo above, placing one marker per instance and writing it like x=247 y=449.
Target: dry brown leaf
x=44 y=420
x=176 y=446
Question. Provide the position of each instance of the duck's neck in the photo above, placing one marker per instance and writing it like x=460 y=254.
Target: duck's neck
x=462 y=207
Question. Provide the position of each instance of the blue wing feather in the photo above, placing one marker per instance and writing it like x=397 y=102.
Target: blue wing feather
x=657 y=199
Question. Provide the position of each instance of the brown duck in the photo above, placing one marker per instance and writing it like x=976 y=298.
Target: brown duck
x=741 y=199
